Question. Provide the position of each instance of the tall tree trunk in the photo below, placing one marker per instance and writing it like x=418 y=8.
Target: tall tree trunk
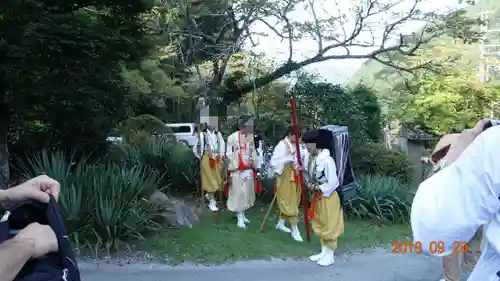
x=4 y=129
x=4 y=162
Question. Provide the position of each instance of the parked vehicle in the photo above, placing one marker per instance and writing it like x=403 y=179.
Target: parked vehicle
x=114 y=138
x=184 y=133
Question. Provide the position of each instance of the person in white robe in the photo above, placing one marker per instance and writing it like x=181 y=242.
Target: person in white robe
x=472 y=250
x=210 y=150
x=326 y=210
x=243 y=166
x=288 y=188
x=462 y=195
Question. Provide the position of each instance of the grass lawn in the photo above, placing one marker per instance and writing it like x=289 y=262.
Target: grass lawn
x=211 y=244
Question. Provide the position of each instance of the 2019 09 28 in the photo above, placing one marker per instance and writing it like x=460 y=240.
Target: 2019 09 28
x=435 y=247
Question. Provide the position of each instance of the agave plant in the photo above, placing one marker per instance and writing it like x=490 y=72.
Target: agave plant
x=381 y=198
x=102 y=203
x=56 y=164
x=117 y=190
x=62 y=167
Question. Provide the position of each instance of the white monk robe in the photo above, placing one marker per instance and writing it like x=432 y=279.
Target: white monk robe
x=451 y=205
x=326 y=211
x=288 y=188
x=241 y=194
x=210 y=150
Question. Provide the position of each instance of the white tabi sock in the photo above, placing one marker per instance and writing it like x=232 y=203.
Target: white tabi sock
x=281 y=226
x=296 y=234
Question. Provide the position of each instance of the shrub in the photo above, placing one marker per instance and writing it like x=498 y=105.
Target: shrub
x=380 y=198
x=375 y=158
x=103 y=203
x=175 y=162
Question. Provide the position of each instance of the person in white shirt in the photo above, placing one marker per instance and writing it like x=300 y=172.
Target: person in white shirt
x=288 y=188
x=470 y=251
x=326 y=210
x=463 y=194
x=210 y=149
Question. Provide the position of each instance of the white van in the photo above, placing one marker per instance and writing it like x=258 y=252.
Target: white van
x=184 y=133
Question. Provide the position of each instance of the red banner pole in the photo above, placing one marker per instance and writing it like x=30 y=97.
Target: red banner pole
x=295 y=130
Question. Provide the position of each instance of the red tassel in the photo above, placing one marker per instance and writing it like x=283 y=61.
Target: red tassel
x=296 y=177
x=258 y=185
x=275 y=188
x=315 y=197
x=211 y=162
x=226 y=189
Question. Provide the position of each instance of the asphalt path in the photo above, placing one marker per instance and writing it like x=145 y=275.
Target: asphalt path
x=373 y=265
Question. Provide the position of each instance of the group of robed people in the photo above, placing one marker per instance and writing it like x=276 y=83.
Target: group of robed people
x=240 y=158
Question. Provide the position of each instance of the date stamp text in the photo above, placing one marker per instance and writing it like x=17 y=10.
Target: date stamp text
x=435 y=247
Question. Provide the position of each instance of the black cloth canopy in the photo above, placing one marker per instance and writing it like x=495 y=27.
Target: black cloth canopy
x=321 y=137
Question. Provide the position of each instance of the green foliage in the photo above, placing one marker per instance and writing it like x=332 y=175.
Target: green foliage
x=375 y=158
x=368 y=104
x=323 y=103
x=452 y=100
x=72 y=53
x=383 y=77
x=175 y=162
x=103 y=204
x=381 y=198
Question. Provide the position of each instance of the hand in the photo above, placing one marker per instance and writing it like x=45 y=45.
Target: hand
x=39 y=188
x=42 y=239
x=297 y=167
x=464 y=139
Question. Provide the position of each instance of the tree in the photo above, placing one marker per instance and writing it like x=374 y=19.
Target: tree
x=452 y=99
x=61 y=72
x=320 y=103
x=213 y=31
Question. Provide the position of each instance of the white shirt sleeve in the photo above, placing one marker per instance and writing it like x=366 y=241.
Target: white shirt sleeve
x=196 y=147
x=280 y=158
x=201 y=139
x=452 y=204
x=222 y=145
x=332 y=182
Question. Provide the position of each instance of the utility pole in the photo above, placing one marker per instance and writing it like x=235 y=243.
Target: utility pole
x=489 y=52
x=488 y=49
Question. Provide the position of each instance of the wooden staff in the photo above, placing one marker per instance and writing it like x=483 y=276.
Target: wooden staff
x=225 y=180
x=200 y=153
x=268 y=212
x=295 y=130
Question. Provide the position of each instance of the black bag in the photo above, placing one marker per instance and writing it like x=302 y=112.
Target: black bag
x=59 y=266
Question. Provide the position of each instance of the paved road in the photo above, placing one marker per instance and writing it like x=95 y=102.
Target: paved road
x=373 y=265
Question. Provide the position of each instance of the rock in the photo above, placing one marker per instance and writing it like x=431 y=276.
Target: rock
x=173 y=212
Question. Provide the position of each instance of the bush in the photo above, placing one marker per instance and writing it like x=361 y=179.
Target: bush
x=175 y=162
x=375 y=158
x=103 y=203
x=380 y=198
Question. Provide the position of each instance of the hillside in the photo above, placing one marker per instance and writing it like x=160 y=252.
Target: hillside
x=381 y=77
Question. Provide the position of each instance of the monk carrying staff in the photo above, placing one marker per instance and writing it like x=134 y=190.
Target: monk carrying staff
x=243 y=166
x=326 y=211
x=212 y=149
x=288 y=189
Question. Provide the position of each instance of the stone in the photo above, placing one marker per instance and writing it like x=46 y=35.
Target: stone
x=173 y=212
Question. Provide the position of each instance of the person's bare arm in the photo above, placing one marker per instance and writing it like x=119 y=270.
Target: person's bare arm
x=14 y=253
